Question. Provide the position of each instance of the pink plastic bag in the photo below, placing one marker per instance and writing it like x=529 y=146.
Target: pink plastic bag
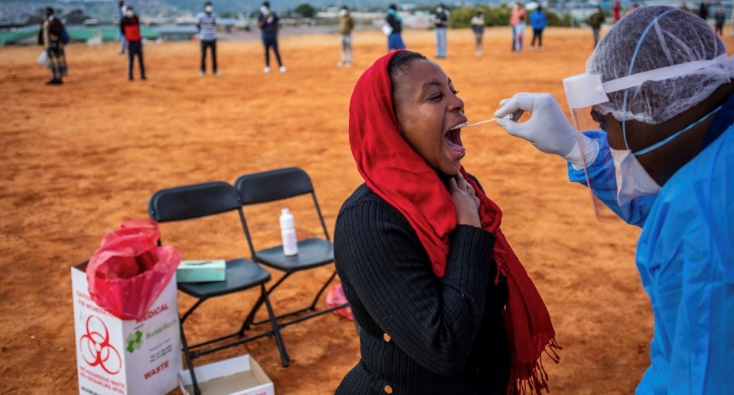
x=336 y=297
x=129 y=271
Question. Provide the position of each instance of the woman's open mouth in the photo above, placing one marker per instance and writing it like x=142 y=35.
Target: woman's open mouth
x=453 y=140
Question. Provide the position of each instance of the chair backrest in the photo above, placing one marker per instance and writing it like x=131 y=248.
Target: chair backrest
x=193 y=201
x=272 y=185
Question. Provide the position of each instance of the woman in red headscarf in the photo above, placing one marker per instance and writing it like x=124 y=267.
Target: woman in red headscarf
x=443 y=304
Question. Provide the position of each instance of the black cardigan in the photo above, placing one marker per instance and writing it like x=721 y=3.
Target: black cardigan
x=419 y=334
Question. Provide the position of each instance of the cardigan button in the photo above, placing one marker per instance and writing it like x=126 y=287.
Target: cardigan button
x=387 y=339
x=388 y=389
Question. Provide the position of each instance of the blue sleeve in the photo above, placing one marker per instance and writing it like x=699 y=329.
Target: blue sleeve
x=604 y=184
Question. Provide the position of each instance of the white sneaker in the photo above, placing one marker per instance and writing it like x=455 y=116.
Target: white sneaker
x=339 y=64
x=201 y=74
x=266 y=70
x=218 y=73
x=532 y=49
x=282 y=69
x=542 y=49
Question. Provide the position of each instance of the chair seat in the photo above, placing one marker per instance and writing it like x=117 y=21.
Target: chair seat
x=311 y=253
x=241 y=274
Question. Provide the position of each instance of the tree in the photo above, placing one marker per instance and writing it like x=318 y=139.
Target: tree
x=76 y=17
x=305 y=10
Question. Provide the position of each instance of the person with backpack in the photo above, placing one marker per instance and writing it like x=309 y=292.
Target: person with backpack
x=130 y=27
x=53 y=37
x=441 y=21
x=346 y=25
x=539 y=23
x=595 y=21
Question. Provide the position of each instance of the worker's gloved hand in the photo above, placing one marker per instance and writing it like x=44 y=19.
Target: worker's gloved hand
x=547 y=129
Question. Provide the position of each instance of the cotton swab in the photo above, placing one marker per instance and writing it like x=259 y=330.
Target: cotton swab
x=514 y=117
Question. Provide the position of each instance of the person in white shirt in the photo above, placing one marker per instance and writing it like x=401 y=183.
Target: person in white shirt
x=206 y=22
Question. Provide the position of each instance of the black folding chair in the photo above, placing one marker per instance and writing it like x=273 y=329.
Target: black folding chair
x=276 y=185
x=201 y=200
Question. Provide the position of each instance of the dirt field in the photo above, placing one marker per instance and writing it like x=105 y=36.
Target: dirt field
x=78 y=160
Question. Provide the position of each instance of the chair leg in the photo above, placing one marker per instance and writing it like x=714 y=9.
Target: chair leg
x=276 y=329
x=250 y=317
x=311 y=307
x=187 y=354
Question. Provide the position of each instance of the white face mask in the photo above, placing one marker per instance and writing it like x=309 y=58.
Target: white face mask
x=208 y=8
x=632 y=179
x=130 y=13
x=264 y=10
x=342 y=12
x=439 y=9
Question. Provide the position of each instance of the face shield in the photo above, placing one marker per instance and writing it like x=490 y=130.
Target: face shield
x=586 y=94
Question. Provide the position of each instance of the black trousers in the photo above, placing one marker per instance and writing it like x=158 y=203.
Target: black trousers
x=271 y=42
x=135 y=48
x=720 y=29
x=205 y=44
x=539 y=34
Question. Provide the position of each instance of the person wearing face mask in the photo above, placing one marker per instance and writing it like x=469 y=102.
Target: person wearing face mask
x=346 y=24
x=268 y=22
x=395 y=22
x=441 y=22
x=206 y=23
x=50 y=37
x=654 y=120
x=443 y=304
x=130 y=27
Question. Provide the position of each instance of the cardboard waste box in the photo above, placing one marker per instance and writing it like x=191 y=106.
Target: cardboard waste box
x=131 y=357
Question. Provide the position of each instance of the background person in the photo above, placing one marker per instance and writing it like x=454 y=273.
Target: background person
x=268 y=22
x=395 y=39
x=595 y=21
x=441 y=23
x=130 y=27
x=206 y=22
x=617 y=8
x=719 y=19
x=477 y=26
x=420 y=252
x=684 y=7
x=346 y=25
x=515 y=14
x=666 y=167
x=50 y=37
x=520 y=33
x=539 y=23
x=121 y=14
x=703 y=11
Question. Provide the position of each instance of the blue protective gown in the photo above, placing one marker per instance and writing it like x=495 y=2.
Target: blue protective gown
x=685 y=256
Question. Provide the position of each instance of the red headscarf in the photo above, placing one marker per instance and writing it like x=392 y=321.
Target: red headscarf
x=398 y=174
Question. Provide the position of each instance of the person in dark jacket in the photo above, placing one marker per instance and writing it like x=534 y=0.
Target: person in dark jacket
x=50 y=37
x=477 y=26
x=595 y=21
x=130 y=27
x=419 y=251
x=270 y=26
x=395 y=21
x=703 y=11
x=719 y=19
x=441 y=23
x=539 y=23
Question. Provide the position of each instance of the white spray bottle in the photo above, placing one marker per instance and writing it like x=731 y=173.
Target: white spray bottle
x=288 y=231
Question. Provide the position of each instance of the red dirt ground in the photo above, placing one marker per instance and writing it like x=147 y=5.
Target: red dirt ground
x=80 y=159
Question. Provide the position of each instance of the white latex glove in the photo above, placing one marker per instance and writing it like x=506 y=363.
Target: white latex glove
x=547 y=129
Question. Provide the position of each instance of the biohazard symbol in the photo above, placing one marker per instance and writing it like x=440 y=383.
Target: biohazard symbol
x=134 y=341
x=96 y=349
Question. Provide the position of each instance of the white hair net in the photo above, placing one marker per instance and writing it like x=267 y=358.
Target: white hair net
x=676 y=37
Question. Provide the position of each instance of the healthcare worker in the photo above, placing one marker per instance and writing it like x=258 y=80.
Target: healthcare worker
x=656 y=108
